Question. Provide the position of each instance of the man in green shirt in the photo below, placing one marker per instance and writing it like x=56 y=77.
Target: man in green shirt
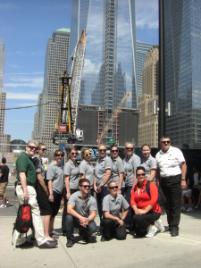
x=25 y=190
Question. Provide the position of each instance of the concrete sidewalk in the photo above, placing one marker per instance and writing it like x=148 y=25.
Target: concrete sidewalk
x=161 y=251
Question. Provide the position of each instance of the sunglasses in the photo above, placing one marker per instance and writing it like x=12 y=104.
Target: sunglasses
x=140 y=175
x=164 y=142
x=43 y=149
x=113 y=187
x=86 y=186
x=114 y=151
x=59 y=155
x=102 y=150
x=73 y=153
x=129 y=149
x=32 y=147
x=89 y=154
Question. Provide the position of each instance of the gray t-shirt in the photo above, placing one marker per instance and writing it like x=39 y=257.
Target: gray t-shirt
x=71 y=169
x=82 y=206
x=115 y=205
x=148 y=163
x=87 y=169
x=117 y=168
x=101 y=166
x=130 y=165
x=55 y=173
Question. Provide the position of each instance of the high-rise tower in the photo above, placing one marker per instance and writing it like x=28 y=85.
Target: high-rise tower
x=181 y=54
x=55 y=65
x=109 y=69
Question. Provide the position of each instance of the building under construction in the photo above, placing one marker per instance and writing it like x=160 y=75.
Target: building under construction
x=92 y=119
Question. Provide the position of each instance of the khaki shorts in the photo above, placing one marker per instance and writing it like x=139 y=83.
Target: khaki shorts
x=3 y=186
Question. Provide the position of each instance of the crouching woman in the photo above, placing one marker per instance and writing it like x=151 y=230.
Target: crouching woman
x=144 y=202
x=115 y=210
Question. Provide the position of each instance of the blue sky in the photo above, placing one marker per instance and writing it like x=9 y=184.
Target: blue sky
x=25 y=27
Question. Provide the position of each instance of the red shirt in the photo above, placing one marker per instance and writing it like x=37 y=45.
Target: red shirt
x=141 y=199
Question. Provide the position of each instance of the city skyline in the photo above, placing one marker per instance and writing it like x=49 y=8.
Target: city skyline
x=25 y=58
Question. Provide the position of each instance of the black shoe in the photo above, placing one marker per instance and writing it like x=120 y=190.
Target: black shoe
x=26 y=244
x=91 y=239
x=69 y=243
x=48 y=244
x=174 y=231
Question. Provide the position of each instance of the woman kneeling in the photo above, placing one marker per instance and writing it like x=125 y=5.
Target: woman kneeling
x=115 y=210
x=144 y=202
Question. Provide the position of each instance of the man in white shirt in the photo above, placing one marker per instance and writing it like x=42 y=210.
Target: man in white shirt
x=172 y=168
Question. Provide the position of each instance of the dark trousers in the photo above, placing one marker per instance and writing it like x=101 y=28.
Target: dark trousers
x=112 y=229
x=100 y=197
x=65 y=209
x=127 y=195
x=141 y=222
x=72 y=222
x=171 y=187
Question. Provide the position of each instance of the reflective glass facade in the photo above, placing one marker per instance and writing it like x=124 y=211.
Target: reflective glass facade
x=182 y=70
x=109 y=66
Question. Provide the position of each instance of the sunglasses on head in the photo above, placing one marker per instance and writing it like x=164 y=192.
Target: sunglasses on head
x=113 y=187
x=165 y=142
x=85 y=186
x=140 y=174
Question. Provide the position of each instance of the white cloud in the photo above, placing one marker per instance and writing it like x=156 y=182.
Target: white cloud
x=146 y=14
x=90 y=67
x=21 y=96
x=24 y=81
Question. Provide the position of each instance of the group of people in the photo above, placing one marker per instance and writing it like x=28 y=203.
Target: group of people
x=123 y=192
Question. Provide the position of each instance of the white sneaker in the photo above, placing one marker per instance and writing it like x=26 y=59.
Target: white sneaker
x=152 y=230
x=189 y=209
x=159 y=225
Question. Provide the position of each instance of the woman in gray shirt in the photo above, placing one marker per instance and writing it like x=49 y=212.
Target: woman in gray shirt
x=87 y=168
x=71 y=179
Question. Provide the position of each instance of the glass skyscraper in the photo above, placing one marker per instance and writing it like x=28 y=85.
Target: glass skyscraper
x=182 y=71
x=109 y=65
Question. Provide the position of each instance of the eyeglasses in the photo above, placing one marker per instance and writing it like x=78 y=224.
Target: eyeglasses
x=102 y=150
x=114 y=151
x=140 y=174
x=86 y=186
x=32 y=147
x=113 y=187
x=164 y=142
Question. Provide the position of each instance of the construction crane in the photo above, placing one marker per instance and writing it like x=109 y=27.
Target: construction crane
x=114 y=115
x=66 y=127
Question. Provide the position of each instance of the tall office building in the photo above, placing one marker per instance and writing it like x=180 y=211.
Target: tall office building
x=110 y=49
x=181 y=50
x=4 y=139
x=142 y=50
x=109 y=66
x=148 y=101
x=55 y=65
x=2 y=55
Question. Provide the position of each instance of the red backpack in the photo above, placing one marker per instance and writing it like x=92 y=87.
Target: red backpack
x=24 y=219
